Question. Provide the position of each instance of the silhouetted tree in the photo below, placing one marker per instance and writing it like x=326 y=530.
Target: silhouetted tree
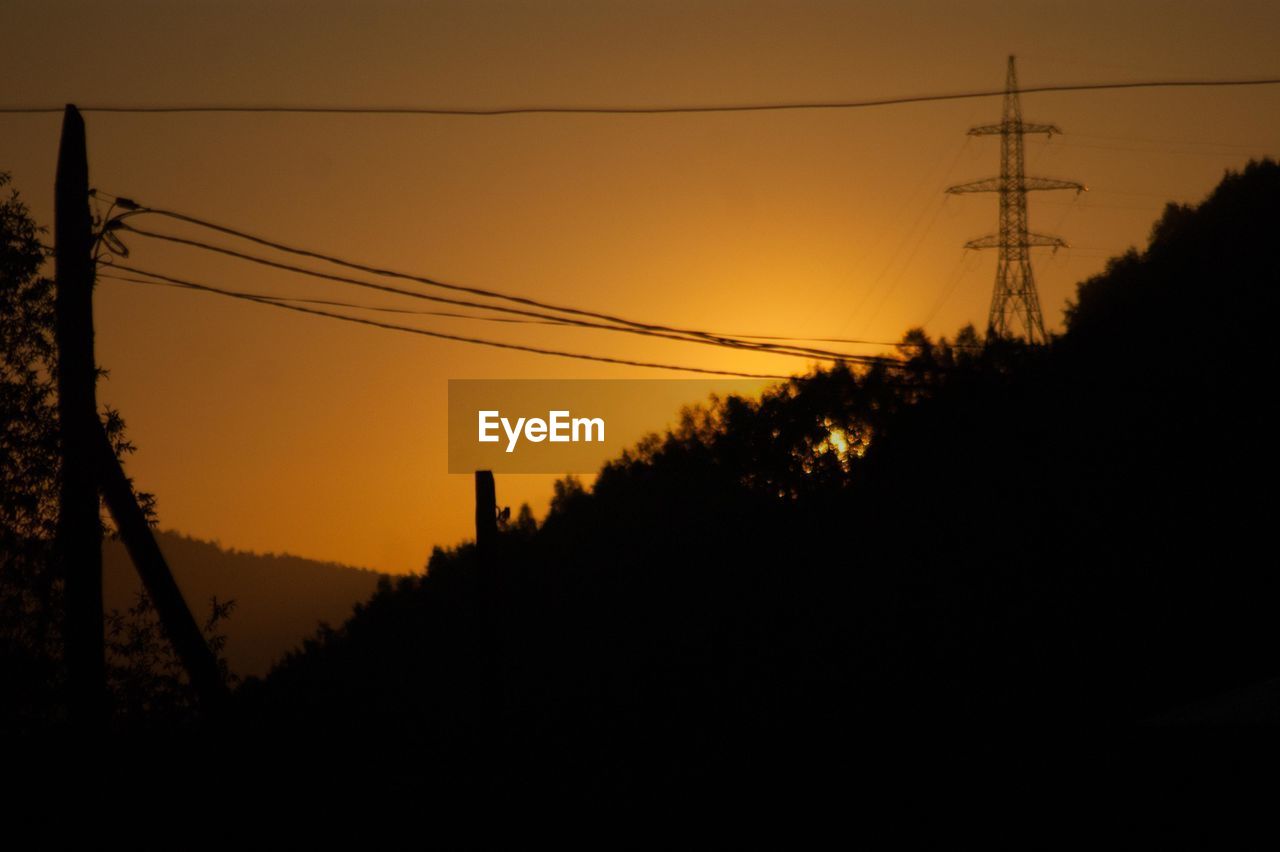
x=995 y=541
x=29 y=590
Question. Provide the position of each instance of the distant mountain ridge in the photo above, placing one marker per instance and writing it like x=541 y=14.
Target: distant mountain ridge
x=280 y=599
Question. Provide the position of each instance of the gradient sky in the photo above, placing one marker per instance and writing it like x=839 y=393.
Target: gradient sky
x=276 y=432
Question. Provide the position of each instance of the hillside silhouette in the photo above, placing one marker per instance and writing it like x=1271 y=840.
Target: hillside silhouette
x=1000 y=539
x=280 y=600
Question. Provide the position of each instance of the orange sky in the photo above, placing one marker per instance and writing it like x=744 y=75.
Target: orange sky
x=275 y=432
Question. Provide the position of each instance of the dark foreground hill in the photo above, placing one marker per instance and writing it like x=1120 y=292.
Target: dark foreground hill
x=280 y=600
x=997 y=544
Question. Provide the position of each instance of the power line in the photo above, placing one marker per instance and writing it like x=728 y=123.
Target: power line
x=507 y=320
x=640 y=110
x=949 y=286
x=926 y=179
x=619 y=324
x=911 y=256
x=138 y=209
x=1153 y=141
x=250 y=297
x=334 y=303
x=850 y=340
x=1129 y=149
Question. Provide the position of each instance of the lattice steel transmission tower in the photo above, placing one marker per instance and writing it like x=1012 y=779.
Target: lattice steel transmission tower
x=1015 y=301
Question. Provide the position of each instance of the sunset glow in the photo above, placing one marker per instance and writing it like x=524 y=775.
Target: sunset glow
x=275 y=432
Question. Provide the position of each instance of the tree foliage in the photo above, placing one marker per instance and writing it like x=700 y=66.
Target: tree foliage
x=29 y=590
x=1023 y=538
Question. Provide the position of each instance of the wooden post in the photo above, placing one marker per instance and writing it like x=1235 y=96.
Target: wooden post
x=89 y=462
x=79 y=534
x=486 y=514
x=179 y=625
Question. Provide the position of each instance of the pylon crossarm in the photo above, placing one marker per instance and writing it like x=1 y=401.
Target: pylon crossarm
x=1045 y=241
x=984 y=185
x=994 y=241
x=989 y=241
x=1052 y=183
x=1020 y=126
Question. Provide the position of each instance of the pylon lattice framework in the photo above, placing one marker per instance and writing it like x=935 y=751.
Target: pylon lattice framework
x=1014 y=302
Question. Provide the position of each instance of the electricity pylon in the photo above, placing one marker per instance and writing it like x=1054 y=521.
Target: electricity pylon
x=1015 y=299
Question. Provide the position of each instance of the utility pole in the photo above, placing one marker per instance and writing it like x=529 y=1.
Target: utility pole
x=486 y=515
x=1015 y=303
x=89 y=463
x=79 y=532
